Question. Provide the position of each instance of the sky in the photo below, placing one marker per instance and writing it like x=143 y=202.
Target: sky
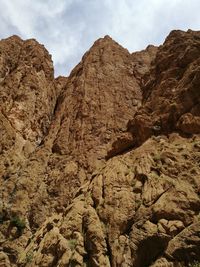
x=68 y=28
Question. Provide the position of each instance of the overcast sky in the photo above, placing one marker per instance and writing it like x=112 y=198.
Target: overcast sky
x=68 y=28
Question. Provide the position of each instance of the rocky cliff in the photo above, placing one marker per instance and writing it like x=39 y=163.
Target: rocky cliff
x=101 y=168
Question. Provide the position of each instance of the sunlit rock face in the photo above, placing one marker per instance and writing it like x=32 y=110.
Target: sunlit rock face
x=101 y=168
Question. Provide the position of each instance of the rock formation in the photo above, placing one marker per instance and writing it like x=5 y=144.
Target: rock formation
x=101 y=168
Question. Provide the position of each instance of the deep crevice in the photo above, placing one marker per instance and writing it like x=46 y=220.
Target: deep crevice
x=109 y=250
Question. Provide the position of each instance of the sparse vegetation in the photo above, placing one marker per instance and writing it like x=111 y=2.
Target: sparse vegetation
x=155 y=176
x=72 y=243
x=156 y=157
x=133 y=182
x=195 y=264
x=139 y=202
x=1 y=218
x=19 y=223
x=29 y=256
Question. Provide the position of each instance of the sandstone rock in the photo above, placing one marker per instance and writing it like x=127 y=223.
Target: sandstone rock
x=4 y=260
x=171 y=98
x=116 y=227
x=101 y=168
x=101 y=95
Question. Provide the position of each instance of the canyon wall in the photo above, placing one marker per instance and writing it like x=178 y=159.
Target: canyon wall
x=101 y=168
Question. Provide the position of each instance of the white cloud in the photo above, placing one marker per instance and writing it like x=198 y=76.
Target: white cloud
x=69 y=27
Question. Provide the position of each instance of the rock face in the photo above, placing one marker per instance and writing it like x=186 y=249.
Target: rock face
x=171 y=93
x=101 y=96
x=101 y=168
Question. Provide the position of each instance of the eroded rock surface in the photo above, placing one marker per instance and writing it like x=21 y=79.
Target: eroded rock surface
x=101 y=168
x=171 y=94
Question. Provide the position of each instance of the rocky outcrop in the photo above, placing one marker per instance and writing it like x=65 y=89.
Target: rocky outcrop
x=142 y=206
x=101 y=96
x=27 y=100
x=101 y=168
x=171 y=93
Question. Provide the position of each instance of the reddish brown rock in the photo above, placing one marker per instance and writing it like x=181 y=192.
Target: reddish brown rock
x=27 y=99
x=171 y=94
x=133 y=211
x=100 y=168
x=101 y=96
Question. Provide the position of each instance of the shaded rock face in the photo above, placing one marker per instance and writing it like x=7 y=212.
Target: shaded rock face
x=101 y=168
x=171 y=93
